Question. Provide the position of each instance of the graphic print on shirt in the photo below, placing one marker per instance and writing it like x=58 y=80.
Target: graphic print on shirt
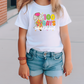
x=44 y=22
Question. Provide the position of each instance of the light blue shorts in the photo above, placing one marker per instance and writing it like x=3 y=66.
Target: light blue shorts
x=49 y=63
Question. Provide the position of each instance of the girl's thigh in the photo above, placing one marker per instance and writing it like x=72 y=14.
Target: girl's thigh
x=36 y=79
x=55 y=80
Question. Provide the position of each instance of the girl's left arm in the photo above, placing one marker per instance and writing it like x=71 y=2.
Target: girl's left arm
x=67 y=49
x=66 y=42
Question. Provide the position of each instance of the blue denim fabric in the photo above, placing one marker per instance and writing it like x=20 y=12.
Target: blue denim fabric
x=49 y=63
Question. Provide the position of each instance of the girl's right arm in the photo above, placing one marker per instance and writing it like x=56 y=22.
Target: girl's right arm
x=23 y=69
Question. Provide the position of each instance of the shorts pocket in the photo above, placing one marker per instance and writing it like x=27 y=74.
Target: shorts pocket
x=57 y=56
x=29 y=56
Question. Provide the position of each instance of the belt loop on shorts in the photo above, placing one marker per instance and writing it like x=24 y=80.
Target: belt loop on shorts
x=34 y=52
x=44 y=54
x=51 y=54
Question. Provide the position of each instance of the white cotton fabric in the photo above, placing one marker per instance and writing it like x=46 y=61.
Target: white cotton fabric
x=43 y=27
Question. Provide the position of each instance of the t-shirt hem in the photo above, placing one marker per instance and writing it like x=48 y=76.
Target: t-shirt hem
x=66 y=23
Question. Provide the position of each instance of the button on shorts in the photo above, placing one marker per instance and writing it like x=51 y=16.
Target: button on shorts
x=49 y=63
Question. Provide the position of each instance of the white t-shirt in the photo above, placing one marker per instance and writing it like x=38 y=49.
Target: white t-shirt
x=43 y=27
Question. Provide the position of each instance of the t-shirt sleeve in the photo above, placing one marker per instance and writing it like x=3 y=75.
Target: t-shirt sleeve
x=22 y=19
x=65 y=20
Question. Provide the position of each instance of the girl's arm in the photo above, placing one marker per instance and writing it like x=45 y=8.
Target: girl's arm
x=22 y=43
x=23 y=69
x=67 y=49
x=66 y=42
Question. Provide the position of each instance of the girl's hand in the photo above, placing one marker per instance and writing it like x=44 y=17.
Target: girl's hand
x=68 y=67
x=24 y=71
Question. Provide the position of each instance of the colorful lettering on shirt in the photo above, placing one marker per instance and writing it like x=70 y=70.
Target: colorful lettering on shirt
x=48 y=17
x=44 y=20
x=50 y=23
x=53 y=23
x=44 y=16
x=52 y=16
x=47 y=23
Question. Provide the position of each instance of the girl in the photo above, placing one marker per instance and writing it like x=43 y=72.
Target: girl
x=43 y=35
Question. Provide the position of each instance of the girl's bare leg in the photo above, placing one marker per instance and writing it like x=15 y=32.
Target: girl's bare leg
x=55 y=80
x=36 y=79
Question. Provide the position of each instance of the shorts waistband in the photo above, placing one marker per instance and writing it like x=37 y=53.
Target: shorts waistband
x=34 y=51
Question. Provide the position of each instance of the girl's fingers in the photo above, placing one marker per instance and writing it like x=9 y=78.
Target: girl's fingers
x=27 y=73
x=19 y=72
x=26 y=76
x=22 y=76
x=69 y=72
x=66 y=73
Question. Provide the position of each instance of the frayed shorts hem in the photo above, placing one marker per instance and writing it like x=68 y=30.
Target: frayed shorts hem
x=35 y=73
x=47 y=73
x=54 y=73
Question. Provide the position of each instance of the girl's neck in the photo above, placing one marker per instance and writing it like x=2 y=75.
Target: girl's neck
x=42 y=2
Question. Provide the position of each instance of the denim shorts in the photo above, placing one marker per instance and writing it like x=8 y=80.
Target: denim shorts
x=49 y=63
